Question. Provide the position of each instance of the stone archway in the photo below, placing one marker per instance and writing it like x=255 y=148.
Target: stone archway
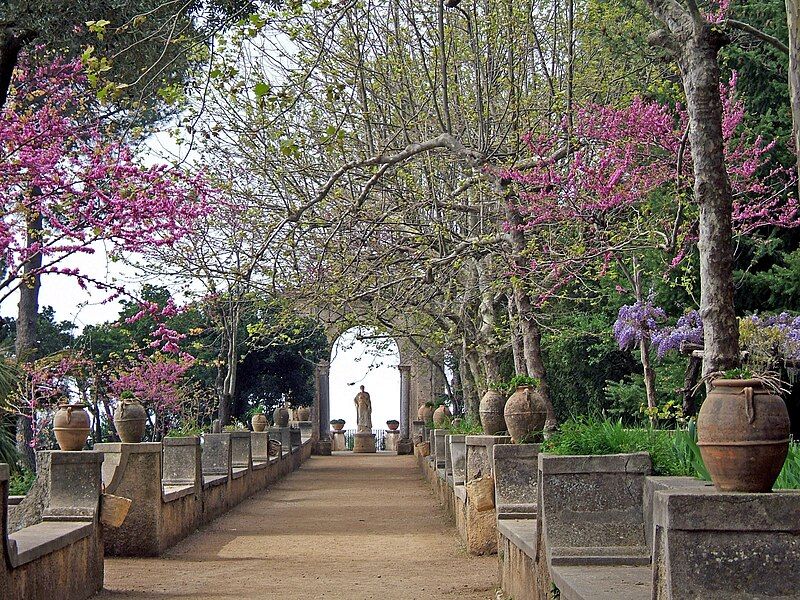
x=421 y=369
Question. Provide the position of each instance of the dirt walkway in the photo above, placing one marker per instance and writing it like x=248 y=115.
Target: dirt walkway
x=354 y=527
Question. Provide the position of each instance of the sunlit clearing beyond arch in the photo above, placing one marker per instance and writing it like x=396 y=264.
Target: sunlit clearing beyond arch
x=372 y=363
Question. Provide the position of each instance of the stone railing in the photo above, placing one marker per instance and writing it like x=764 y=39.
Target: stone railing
x=603 y=528
x=183 y=483
x=52 y=544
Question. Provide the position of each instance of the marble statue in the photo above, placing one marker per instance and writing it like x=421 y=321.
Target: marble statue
x=363 y=411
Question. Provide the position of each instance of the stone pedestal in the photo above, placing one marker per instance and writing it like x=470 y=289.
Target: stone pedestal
x=338 y=444
x=391 y=438
x=364 y=443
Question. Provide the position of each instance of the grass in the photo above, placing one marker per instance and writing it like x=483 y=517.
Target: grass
x=672 y=452
x=592 y=436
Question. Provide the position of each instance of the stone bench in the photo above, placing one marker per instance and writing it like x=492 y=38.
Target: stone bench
x=56 y=524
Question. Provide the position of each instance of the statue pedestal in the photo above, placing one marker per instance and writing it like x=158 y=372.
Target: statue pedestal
x=337 y=440
x=364 y=443
x=391 y=438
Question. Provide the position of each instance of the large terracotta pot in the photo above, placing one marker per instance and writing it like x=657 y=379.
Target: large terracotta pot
x=130 y=418
x=524 y=413
x=281 y=417
x=259 y=422
x=425 y=413
x=393 y=425
x=441 y=415
x=491 y=412
x=303 y=413
x=743 y=434
x=71 y=425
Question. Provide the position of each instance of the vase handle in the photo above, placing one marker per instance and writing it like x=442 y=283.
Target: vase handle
x=69 y=414
x=749 y=407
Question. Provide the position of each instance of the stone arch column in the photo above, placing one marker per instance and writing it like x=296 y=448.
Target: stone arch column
x=322 y=400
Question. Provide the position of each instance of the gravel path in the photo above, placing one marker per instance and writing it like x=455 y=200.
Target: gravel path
x=355 y=527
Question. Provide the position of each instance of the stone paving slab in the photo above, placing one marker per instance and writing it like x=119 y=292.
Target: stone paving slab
x=603 y=583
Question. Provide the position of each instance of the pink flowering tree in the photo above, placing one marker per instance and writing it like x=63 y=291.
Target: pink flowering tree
x=67 y=183
x=620 y=196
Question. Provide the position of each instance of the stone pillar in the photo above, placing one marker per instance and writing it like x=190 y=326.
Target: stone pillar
x=404 y=445
x=324 y=403
x=339 y=444
x=391 y=438
x=306 y=429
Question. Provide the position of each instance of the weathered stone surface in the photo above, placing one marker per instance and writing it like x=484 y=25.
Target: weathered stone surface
x=241 y=452
x=448 y=461
x=479 y=453
x=306 y=429
x=295 y=437
x=284 y=436
x=217 y=458
x=338 y=441
x=390 y=439
x=438 y=447
x=591 y=508
x=417 y=431
x=516 y=554
x=181 y=462
x=735 y=546
x=62 y=556
x=515 y=480
x=259 y=446
x=458 y=458
x=655 y=484
x=364 y=443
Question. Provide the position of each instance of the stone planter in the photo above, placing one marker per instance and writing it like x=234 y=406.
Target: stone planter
x=303 y=413
x=743 y=434
x=491 y=412
x=337 y=426
x=425 y=413
x=524 y=413
x=458 y=458
x=130 y=418
x=280 y=417
x=441 y=415
x=259 y=422
x=393 y=425
x=71 y=425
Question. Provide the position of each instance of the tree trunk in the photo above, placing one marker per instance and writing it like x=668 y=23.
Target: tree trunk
x=12 y=40
x=696 y=44
x=649 y=375
x=793 y=21
x=517 y=345
x=531 y=334
x=27 y=315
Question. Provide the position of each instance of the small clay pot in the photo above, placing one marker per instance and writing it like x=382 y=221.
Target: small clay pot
x=743 y=434
x=337 y=426
x=281 y=417
x=393 y=425
x=303 y=413
x=130 y=418
x=524 y=413
x=259 y=422
x=491 y=412
x=441 y=415
x=425 y=413
x=71 y=425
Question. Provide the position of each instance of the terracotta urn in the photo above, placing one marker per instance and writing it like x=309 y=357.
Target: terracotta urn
x=441 y=415
x=338 y=425
x=425 y=413
x=491 y=412
x=71 y=425
x=393 y=425
x=281 y=417
x=259 y=422
x=524 y=413
x=743 y=434
x=303 y=413
x=130 y=418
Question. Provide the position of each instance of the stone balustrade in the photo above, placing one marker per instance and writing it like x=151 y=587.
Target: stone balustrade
x=603 y=528
x=52 y=544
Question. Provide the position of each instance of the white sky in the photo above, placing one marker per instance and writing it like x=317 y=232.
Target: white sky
x=357 y=366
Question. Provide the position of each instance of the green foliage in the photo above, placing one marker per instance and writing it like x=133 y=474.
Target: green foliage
x=467 y=425
x=686 y=445
x=789 y=477
x=190 y=428
x=21 y=482
x=626 y=399
x=8 y=449
x=594 y=437
x=521 y=380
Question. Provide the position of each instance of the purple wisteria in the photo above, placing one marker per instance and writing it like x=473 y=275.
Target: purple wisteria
x=636 y=322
